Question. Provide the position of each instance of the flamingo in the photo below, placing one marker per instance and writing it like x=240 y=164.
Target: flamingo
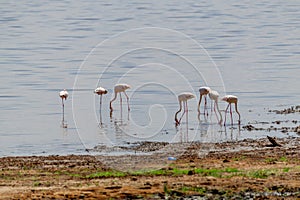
x=214 y=96
x=183 y=97
x=63 y=95
x=204 y=91
x=231 y=99
x=118 y=89
x=100 y=91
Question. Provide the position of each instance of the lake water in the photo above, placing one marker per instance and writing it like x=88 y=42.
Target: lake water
x=249 y=49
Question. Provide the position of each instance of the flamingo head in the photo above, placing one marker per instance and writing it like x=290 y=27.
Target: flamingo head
x=191 y=96
x=126 y=86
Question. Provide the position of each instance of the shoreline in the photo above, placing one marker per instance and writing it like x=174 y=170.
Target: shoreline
x=241 y=169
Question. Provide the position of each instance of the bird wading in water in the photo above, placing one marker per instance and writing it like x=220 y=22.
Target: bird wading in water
x=63 y=95
x=214 y=96
x=182 y=99
x=119 y=88
x=204 y=91
x=100 y=91
x=230 y=99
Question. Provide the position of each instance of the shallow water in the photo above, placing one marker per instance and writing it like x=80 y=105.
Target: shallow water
x=243 y=48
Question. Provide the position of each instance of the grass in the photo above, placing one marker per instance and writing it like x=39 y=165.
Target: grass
x=218 y=173
x=270 y=160
x=199 y=190
x=106 y=174
x=239 y=158
x=166 y=189
x=262 y=173
x=76 y=175
x=205 y=191
x=214 y=172
x=163 y=172
x=158 y=172
x=286 y=169
x=178 y=172
x=175 y=171
x=283 y=159
x=36 y=184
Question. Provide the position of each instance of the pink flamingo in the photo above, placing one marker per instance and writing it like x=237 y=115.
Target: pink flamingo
x=118 y=89
x=183 y=98
x=214 y=96
x=63 y=95
x=204 y=91
x=100 y=91
x=231 y=99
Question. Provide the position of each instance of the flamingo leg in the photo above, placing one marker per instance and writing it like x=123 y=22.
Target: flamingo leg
x=186 y=107
x=215 y=110
x=63 y=109
x=199 y=107
x=231 y=115
x=100 y=115
x=120 y=101
x=199 y=104
x=226 y=114
x=238 y=113
x=205 y=105
x=216 y=105
x=187 y=119
x=127 y=100
x=100 y=101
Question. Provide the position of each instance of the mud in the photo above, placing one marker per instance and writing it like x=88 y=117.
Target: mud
x=69 y=177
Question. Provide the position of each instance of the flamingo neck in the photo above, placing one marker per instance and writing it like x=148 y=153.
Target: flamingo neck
x=217 y=105
x=199 y=103
x=112 y=100
x=180 y=108
x=236 y=109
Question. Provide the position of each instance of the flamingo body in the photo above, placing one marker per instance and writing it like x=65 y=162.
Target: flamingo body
x=100 y=91
x=204 y=90
x=121 y=87
x=183 y=98
x=230 y=99
x=64 y=94
x=118 y=89
x=214 y=96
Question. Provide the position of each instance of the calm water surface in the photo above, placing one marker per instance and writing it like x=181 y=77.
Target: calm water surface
x=161 y=49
